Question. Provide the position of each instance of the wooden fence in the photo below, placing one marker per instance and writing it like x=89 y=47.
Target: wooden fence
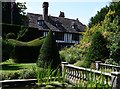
x=75 y=74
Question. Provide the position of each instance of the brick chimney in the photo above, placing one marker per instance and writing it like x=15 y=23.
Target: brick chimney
x=45 y=10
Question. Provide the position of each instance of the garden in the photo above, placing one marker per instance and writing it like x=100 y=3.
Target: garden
x=34 y=62
x=46 y=73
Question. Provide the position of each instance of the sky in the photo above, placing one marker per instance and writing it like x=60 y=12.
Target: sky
x=83 y=10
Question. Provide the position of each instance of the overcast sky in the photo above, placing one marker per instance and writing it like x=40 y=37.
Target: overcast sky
x=81 y=9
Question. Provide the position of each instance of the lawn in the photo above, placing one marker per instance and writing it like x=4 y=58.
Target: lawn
x=10 y=66
x=9 y=69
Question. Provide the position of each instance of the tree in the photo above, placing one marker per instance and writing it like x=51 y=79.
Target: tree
x=6 y=12
x=115 y=49
x=49 y=54
x=98 y=50
x=114 y=43
x=13 y=13
x=100 y=16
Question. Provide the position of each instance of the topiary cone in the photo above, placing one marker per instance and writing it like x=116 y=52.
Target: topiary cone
x=49 y=53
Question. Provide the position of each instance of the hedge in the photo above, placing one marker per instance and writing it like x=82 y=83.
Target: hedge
x=49 y=54
x=26 y=52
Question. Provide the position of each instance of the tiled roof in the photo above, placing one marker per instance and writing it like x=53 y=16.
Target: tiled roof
x=56 y=23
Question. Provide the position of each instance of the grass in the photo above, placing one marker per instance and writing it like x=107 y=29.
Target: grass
x=11 y=70
x=10 y=66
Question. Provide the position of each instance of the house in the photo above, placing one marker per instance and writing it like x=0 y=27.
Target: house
x=67 y=31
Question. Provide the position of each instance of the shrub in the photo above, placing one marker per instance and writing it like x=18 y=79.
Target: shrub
x=26 y=74
x=49 y=54
x=9 y=75
x=21 y=74
x=114 y=46
x=97 y=50
x=11 y=36
x=79 y=63
x=7 y=49
x=27 y=52
x=71 y=55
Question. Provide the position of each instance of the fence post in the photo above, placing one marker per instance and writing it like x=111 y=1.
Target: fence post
x=115 y=81
x=97 y=64
x=63 y=64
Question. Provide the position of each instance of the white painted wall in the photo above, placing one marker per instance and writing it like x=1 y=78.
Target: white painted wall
x=67 y=38
x=45 y=33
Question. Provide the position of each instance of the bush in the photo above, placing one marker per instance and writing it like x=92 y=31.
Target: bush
x=97 y=50
x=49 y=54
x=71 y=55
x=7 y=49
x=27 y=52
x=27 y=74
x=114 y=46
x=9 y=75
x=11 y=36
x=79 y=63
x=21 y=74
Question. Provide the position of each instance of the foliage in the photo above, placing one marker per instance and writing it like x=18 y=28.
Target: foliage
x=97 y=50
x=49 y=54
x=21 y=51
x=22 y=32
x=47 y=75
x=7 y=49
x=6 y=12
x=26 y=74
x=114 y=44
x=94 y=81
x=70 y=55
x=11 y=36
x=21 y=74
x=82 y=63
x=100 y=16
x=27 y=52
x=109 y=29
x=13 y=12
x=12 y=70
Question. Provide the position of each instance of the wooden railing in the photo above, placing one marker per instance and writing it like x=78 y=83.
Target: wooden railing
x=75 y=74
x=103 y=66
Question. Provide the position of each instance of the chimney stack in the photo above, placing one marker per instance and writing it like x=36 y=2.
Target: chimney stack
x=62 y=14
x=45 y=10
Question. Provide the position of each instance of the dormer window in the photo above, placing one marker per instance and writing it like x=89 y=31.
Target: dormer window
x=40 y=22
x=58 y=24
x=74 y=25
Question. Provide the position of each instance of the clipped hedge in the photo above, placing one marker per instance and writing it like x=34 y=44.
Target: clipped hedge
x=7 y=49
x=26 y=52
x=49 y=54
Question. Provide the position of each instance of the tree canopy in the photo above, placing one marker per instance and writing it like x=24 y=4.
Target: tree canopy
x=100 y=16
x=13 y=13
